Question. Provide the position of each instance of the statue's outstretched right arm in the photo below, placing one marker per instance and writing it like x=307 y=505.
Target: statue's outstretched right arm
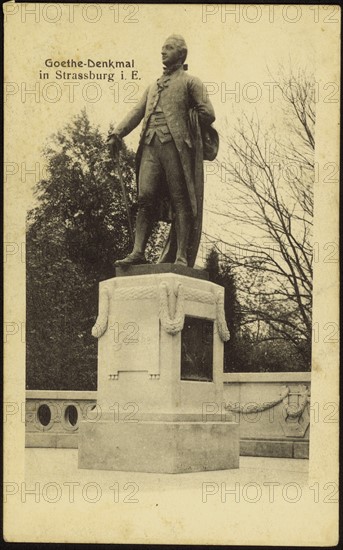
x=131 y=121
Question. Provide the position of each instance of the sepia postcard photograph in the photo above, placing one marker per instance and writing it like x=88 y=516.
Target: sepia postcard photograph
x=171 y=318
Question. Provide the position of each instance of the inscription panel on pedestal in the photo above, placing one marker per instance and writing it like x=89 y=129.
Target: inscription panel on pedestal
x=131 y=340
x=197 y=350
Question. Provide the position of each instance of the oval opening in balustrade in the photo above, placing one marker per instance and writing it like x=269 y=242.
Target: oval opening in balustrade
x=71 y=415
x=44 y=414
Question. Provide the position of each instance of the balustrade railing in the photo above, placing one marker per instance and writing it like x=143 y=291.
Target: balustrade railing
x=273 y=410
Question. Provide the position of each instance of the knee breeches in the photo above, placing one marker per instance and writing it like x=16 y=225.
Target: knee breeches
x=161 y=162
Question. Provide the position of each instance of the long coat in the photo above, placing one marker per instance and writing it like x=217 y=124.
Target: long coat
x=181 y=95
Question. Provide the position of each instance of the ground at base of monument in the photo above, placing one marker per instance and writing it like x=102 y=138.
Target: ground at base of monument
x=60 y=465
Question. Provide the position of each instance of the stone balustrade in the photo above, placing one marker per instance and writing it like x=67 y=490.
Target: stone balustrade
x=53 y=417
x=273 y=410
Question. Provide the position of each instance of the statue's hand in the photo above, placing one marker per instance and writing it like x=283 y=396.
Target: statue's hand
x=115 y=144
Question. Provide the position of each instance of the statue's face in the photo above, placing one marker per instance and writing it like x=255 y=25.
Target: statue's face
x=170 y=53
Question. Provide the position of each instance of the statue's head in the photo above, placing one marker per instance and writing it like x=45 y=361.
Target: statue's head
x=174 y=50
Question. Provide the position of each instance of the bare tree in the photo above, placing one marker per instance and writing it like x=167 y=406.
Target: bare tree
x=270 y=176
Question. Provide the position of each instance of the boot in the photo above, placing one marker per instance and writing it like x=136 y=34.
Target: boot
x=134 y=258
x=142 y=234
x=183 y=226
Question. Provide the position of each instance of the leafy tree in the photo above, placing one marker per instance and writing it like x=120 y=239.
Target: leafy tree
x=74 y=235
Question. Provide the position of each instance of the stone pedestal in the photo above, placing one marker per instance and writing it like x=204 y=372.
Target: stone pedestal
x=160 y=375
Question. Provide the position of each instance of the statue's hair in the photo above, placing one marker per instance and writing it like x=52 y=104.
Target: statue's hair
x=181 y=45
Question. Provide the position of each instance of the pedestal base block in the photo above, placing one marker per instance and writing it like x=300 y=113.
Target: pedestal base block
x=159 y=447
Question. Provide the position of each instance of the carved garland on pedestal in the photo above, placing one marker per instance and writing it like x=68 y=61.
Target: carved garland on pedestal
x=100 y=326
x=170 y=324
x=223 y=331
x=135 y=293
x=175 y=325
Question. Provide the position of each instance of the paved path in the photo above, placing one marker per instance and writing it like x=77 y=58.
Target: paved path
x=60 y=466
x=266 y=501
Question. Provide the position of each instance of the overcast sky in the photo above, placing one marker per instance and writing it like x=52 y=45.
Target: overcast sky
x=228 y=50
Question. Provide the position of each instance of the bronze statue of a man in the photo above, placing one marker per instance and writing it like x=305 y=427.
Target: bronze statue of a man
x=176 y=112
